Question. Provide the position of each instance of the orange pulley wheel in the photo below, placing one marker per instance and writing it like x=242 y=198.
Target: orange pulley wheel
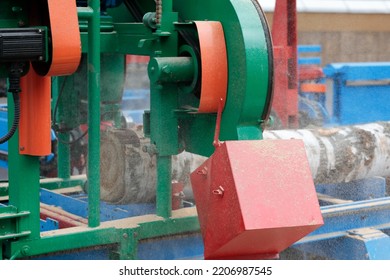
x=214 y=69
x=65 y=40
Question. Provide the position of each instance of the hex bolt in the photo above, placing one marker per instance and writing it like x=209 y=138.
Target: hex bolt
x=25 y=250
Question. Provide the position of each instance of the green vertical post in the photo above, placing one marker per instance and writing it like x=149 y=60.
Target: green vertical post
x=163 y=123
x=164 y=192
x=23 y=174
x=167 y=6
x=63 y=156
x=94 y=115
x=63 y=151
x=164 y=134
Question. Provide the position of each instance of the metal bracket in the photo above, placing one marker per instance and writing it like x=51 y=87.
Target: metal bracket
x=9 y=218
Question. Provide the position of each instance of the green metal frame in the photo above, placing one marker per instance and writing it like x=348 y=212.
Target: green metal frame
x=247 y=100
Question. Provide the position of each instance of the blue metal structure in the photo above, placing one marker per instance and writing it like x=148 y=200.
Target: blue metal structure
x=352 y=230
x=360 y=92
x=184 y=247
x=356 y=214
x=314 y=57
x=312 y=100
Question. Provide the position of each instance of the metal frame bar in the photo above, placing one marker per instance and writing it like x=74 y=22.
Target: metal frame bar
x=94 y=115
x=343 y=234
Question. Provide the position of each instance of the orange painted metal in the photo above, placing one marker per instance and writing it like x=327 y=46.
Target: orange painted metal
x=35 y=115
x=316 y=88
x=65 y=37
x=35 y=98
x=213 y=64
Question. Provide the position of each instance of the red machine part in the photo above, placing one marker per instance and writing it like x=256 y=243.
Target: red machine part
x=177 y=195
x=255 y=198
x=310 y=72
x=138 y=59
x=309 y=75
x=284 y=37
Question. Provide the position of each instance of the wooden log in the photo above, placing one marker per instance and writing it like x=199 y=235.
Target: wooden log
x=344 y=154
x=128 y=171
x=335 y=155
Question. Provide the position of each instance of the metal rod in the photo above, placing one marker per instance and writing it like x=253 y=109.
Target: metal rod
x=84 y=12
x=94 y=115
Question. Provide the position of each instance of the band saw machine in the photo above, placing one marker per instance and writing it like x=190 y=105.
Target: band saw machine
x=211 y=84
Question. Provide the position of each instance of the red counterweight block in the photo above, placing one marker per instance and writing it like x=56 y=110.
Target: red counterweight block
x=255 y=199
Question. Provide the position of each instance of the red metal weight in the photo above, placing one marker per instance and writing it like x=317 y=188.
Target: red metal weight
x=255 y=199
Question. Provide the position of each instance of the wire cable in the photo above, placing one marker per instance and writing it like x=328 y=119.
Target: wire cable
x=54 y=117
x=14 y=88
